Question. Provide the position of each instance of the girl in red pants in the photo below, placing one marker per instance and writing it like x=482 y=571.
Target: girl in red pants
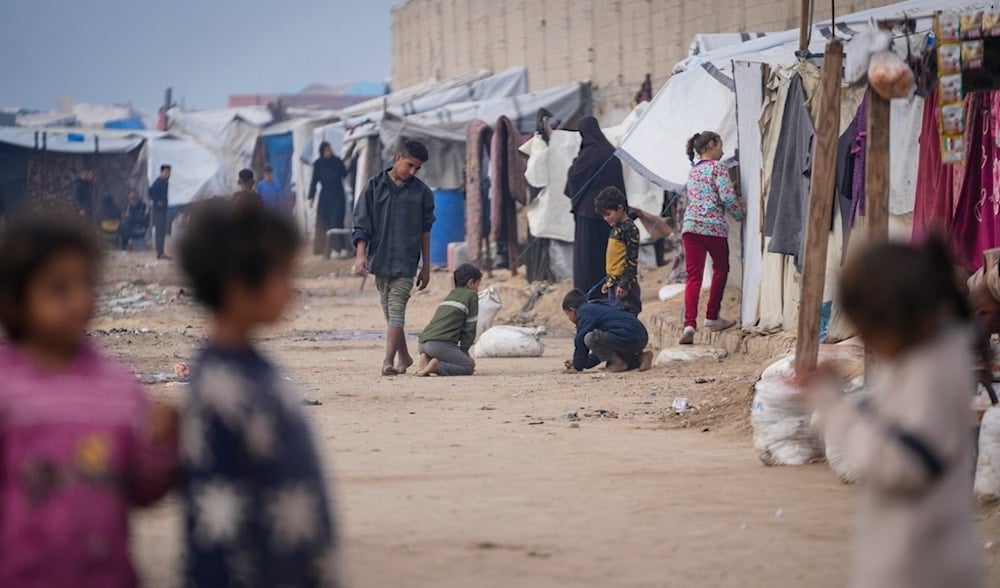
x=710 y=195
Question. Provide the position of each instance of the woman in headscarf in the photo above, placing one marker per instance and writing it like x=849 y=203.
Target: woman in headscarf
x=329 y=172
x=594 y=169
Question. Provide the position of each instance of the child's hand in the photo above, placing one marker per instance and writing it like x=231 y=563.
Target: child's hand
x=569 y=369
x=604 y=288
x=424 y=278
x=621 y=293
x=361 y=265
x=161 y=422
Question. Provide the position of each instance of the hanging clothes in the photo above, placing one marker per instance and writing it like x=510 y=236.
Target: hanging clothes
x=933 y=207
x=976 y=226
x=788 y=196
x=859 y=152
x=477 y=135
x=507 y=185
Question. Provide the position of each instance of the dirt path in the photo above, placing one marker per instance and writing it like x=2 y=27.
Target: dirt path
x=446 y=482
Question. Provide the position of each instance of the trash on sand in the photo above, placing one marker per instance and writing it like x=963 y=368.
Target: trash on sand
x=680 y=405
x=688 y=353
x=988 y=545
x=574 y=425
x=310 y=402
x=537 y=423
x=570 y=416
x=605 y=414
x=182 y=371
x=487 y=408
x=704 y=380
x=779 y=513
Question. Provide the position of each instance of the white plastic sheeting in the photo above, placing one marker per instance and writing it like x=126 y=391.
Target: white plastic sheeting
x=196 y=173
x=690 y=102
x=750 y=94
x=229 y=133
x=69 y=140
x=549 y=215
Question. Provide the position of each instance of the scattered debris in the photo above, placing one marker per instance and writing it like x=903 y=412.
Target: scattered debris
x=487 y=408
x=536 y=423
x=574 y=425
x=779 y=513
x=570 y=416
x=310 y=402
x=128 y=298
x=182 y=371
x=680 y=405
x=605 y=414
x=704 y=380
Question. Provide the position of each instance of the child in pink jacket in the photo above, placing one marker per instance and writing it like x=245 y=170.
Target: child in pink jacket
x=79 y=440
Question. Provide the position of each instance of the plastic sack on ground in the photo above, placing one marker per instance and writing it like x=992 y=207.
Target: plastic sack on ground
x=890 y=77
x=988 y=465
x=489 y=306
x=506 y=341
x=851 y=357
x=669 y=355
x=780 y=418
x=860 y=51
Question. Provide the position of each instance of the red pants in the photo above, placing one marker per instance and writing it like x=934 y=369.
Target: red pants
x=695 y=248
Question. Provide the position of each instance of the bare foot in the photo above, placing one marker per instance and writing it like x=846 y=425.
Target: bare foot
x=617 y=365
x=430 y=368
x=646 y=361
x=388 y=370
x=422 y=361
x=404 y=364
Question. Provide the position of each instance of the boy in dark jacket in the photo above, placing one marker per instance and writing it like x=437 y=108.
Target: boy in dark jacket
x=605 y=333
x=392 y=232
x=445 y=343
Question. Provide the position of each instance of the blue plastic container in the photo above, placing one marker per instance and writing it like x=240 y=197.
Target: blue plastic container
x=449 y=224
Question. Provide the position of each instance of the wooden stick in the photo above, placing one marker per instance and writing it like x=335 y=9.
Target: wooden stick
x=820 y=208
x=877 y=168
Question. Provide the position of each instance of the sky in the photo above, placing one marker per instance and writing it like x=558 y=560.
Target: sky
x=121 y=51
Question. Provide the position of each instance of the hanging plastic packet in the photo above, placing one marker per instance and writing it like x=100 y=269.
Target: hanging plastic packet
x=951 y=110
x=890 y=77
x=860 y=51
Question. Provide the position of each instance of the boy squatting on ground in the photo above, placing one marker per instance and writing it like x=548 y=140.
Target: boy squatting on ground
x=257 y=511
x=392 y=231
x=445 y=342
x=605 y=333
x=622 y=260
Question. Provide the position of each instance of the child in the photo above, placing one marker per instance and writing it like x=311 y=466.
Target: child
x=710 y=195
x=135 y=219
x=79 y=440
x=256 y=504
x=605 y=333
x=622 y=259
x=911 y=444
x=246 y=195
x=444 y=344
x=392 y=232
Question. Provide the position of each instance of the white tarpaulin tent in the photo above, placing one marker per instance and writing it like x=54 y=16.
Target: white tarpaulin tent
x=69 y=140
x=196 y=174
x=229 y=133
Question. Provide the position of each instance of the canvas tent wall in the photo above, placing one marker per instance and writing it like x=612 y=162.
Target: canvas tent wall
x=196 y=173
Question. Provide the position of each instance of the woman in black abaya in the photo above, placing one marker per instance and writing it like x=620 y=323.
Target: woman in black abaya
x=594 y=169
x=329 y=172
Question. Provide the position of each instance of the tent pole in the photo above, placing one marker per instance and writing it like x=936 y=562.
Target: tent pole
x=876 y=181
x=820 y=208
x=804 y=26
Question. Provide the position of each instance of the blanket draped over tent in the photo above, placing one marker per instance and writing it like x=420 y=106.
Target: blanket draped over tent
x=507 y=186
x=476 y=143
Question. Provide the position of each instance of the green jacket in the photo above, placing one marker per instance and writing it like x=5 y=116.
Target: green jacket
x=455 y=319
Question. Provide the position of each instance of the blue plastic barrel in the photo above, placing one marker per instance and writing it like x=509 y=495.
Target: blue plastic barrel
x=449 y=224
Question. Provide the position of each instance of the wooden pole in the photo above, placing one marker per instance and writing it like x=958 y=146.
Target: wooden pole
x=804 y=25
x=876 y=181
x=824 y=174
x=877 y=168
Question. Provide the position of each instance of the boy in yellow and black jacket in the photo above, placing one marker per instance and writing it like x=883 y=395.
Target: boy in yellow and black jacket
x=622 y=261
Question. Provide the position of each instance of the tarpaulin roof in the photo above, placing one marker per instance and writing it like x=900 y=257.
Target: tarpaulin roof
x=68 y=140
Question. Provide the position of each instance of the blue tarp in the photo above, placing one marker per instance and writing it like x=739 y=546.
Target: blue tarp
x=133 y=123
x=279 y=157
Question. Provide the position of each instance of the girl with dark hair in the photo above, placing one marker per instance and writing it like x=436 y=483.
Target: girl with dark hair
x=911 y=443
x=329 y=173
x=594 y=169
x=710 y=194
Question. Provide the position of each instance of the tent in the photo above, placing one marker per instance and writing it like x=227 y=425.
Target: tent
x=722 y=90
x=230 y=134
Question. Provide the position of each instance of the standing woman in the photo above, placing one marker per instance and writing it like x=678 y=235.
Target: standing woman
x=710 y=195
x=594 y=169
x=329 y=172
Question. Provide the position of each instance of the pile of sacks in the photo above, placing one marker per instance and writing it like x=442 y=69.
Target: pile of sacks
x=503 y=341
x=782 y=420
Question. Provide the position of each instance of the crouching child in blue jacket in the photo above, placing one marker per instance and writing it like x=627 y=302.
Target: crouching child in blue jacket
x=605 y=333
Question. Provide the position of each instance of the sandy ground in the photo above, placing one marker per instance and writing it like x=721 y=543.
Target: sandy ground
x=484 y=481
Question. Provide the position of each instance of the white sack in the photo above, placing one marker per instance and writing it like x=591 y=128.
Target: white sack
x=489 y=306
x=780 y=417
x=688 y=353
x=988 y=466
x=504 y=341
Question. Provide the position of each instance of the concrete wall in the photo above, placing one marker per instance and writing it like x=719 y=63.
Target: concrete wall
x=612 y=43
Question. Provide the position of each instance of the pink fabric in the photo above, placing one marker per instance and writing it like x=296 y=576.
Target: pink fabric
x=696 y=247
x=934 y=204
x=73 y=456
x=976 y=225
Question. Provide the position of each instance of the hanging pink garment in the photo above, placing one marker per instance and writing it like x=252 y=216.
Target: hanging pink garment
x=934 y=206
x=976 y=226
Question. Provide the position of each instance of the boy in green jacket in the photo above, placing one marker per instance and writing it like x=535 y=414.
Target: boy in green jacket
x=444 y=344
